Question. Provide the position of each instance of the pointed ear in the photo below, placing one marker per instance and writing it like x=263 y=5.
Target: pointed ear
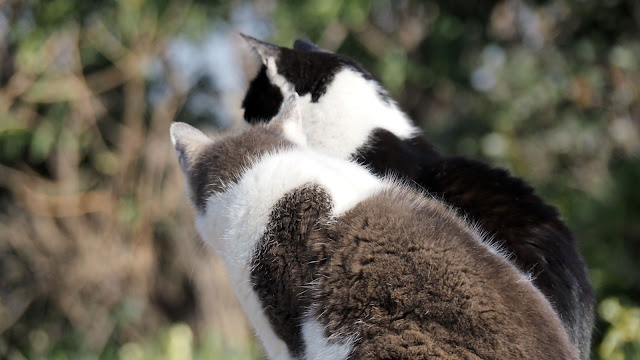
x=289 y=121
x=268 y=52
x=302 y=45
x=188 y=142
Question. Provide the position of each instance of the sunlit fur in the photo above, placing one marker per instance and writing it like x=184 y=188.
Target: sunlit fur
x=346 y=126
x=235 y=219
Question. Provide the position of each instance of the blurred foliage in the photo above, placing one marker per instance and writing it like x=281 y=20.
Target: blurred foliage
x=97 y=247
x=622 y=340
x=176 y=342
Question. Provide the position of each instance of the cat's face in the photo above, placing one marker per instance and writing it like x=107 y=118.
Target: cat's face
x=210 y=165
x=340 y=100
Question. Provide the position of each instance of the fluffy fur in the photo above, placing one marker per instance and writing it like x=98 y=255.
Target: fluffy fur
x=332 y=262
x=348 y=114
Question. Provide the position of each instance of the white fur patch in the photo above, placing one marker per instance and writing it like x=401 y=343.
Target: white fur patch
x=234 y=221
x=344 y=117
x=317 y=346
x=293 y=132
x=216 y=227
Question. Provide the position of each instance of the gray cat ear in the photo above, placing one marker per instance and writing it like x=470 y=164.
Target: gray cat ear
x=187 y=142
x=302 y=45
x=266 y=51
x=289 y=121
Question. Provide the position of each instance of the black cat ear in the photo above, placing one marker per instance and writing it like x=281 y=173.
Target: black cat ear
x=302 y=45
x=187 y=142
x=265 y=50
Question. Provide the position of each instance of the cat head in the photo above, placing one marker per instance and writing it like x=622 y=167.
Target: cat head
x=211 y=164
x=341 y=102
x=305 y=69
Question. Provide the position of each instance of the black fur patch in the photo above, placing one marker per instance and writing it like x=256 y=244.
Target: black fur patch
x=263 y=99
x=386 y=153
x=302 y=45
x=283 y=263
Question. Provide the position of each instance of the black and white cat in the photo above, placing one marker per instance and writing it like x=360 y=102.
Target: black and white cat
x=332 y=262
x=348 y=114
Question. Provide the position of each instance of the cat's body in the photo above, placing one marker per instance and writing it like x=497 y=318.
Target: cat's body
x=331 y=262
x=347 y=114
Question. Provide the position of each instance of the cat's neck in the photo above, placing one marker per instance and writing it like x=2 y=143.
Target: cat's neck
x=350 y=110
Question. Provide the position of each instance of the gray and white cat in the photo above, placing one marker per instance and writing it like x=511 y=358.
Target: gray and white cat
x=348 y=114
x=332 y=262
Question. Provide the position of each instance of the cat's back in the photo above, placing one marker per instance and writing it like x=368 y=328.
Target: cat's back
x=410 y=279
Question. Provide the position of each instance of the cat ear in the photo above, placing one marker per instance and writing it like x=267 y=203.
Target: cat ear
x=302 y=45
x=187 y=142
x=269 y=53
x=289 y=121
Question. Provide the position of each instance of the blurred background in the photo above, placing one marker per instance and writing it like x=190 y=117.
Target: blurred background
x=98 y=254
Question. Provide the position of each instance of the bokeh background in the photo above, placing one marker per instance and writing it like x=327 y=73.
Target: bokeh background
x=98 y=254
